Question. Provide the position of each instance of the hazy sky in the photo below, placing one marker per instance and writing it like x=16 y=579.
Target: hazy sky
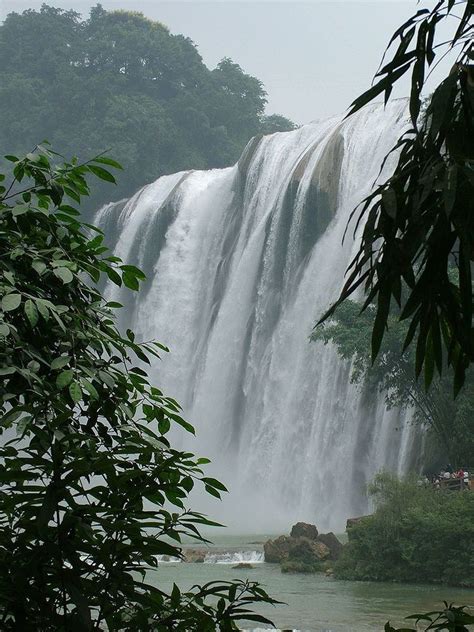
x=314 y=58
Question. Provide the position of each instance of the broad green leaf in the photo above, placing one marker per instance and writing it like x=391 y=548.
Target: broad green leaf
x=60 y=362
x=90 y=388
x=7 y=370
x=10 y=302
x=130 y=281
x=38 y=266
x=64 y=274
x=107 y=379
x=64 y=378
x=20 y=209
x=42 y=309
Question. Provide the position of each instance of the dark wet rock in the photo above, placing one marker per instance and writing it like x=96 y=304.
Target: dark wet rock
x=248 y=154
x=333 y=544
x=276 y=551
x=243 y=565
x=308 y=551
x=194 y=556
x=352 y=521
x=304 y=530
x=292 y=566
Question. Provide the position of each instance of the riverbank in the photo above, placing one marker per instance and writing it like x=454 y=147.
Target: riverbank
x=314 y=602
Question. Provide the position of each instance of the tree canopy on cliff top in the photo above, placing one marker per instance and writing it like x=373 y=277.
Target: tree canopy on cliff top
x=120 y=82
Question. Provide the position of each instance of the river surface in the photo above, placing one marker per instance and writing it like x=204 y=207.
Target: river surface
x=314 y=603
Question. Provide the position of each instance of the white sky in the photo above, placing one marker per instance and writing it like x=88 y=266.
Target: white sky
x=314 y=57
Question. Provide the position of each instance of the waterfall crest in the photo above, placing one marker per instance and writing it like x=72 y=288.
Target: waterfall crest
x=240 y=263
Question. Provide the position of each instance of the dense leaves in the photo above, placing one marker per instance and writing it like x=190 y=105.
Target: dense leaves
x=452 y=619
x=416 y=533
x=91 y=490
x=451 y=421
x=417 y=242
x=118 y=81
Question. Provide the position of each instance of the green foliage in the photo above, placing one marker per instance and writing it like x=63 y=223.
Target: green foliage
x=452 y=619
x=393 y=373
x=120 y=82
x=418 y=225
x=416 y=533
x=91 y=490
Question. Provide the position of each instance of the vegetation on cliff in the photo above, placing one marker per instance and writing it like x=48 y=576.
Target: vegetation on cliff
x=120 y=82
x=449 y=421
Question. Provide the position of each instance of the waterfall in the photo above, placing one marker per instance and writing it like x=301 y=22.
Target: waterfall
x=240 y=264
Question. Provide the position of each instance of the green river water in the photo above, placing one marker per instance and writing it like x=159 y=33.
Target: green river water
x=316 y=603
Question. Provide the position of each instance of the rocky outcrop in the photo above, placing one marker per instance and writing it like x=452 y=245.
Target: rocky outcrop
x=332 y=543
x=304 y=530
x=352 y=521
x=276 y=551
x=194 y=556
x=310 y=551
x=304 y=550
x=306 y=556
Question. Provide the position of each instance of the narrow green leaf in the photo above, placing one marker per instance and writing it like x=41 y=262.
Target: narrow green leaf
x=31 y=312
x=75 y=392
x=101 y=173
x=104 y=160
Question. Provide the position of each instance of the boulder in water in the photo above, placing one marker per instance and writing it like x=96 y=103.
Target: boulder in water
x=333 y=544
x=304 y=530
x=276 y=551
x=194 y=556
x=305 y=556
x=243 y=565
x=309 y=551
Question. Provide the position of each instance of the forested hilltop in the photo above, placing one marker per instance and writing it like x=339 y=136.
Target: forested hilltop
x=118 y=81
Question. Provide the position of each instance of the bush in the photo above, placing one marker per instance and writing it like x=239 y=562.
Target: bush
x=91 y=489
x=416 y=534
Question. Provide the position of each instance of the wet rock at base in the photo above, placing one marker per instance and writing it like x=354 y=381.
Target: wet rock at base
x=333 y=544
x=276 y=551
x=194 y=556
x=243 y=565
x=304 y=530
x=352 y=521
x=304 y=550
x=308 y=551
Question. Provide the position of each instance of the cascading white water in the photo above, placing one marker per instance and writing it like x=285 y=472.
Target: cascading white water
x=240 y=263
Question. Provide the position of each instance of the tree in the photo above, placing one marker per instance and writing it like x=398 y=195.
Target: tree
x=122 y=82
x=417 y=243
x=91 y=490
x=393 y=374
x=416 y=534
